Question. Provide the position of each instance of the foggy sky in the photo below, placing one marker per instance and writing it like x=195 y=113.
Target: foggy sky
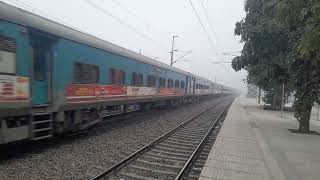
x=158 y=20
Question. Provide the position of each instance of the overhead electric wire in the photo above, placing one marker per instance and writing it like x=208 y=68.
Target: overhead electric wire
x=48 y=16
x=44 y=14
x=131 y=12
x=199 y=19
x=122 y=22
x=208 y=19
x=184 y=55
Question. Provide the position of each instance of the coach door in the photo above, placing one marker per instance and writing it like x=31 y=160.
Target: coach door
x=193 y=85
x=187 y=86
x=190 y=85
x=41 y=55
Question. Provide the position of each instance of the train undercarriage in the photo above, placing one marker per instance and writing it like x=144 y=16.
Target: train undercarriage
x=41 y=123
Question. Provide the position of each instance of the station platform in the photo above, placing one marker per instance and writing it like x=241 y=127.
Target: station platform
x=255 y=144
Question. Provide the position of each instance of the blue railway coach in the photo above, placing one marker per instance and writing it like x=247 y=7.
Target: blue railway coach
x=55 y=79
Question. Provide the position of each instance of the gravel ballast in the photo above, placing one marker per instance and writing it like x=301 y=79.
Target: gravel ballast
x=85 y=156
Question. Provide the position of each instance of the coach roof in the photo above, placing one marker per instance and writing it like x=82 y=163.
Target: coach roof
x=25 y=18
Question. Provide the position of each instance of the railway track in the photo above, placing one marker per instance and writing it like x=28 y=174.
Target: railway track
x=178 y=154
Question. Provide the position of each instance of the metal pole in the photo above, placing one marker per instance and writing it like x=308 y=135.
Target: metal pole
x=172 y=50
x=259 y=96
x=282 y=98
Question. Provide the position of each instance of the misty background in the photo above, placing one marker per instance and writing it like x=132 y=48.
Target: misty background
x=150 y=24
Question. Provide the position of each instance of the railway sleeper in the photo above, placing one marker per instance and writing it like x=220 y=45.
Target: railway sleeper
x=183 y=141
x=203 y=157
x=163 y=157
x=158 y=165
x=162 y=160
x=175 y=155
x=208 y=147
x=192 y=174
x=181 y=146
x=192 y=177
x=194 y=133
x=205 y=151
x=132 y=176
x=192 y=130
x=201 y=161
x=199 y=133
x=184 y=144
x=187 y=139
x=198 y=164
x=148 y=172
x=177 y=150
x=191 y=137
x=197 y=170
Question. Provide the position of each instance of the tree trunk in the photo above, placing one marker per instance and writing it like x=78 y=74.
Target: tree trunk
x=304 y=121
x=276 y=97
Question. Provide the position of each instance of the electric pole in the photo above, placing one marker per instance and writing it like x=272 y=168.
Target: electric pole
x=259 y=95
x=282 y=99
x=172 y=50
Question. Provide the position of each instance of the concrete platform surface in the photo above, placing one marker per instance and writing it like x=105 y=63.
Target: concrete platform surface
x=255 y=144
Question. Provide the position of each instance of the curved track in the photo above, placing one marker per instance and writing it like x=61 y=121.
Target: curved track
x=172 y=155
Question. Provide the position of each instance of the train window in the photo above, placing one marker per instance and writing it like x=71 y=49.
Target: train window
x=7 y=55
x=177 y=84
x=117 y=76
x=84 y=73
x=39 y=71
x=151 y=81
x=170 y=83
x=137 y=79
x=182 y=84
x=162 y=82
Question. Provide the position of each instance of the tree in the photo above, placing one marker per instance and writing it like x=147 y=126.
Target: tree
x=282 y=45
x=265 y=49
x=300 y=19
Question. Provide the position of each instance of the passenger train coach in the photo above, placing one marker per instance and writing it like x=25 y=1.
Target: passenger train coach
x=55 y=79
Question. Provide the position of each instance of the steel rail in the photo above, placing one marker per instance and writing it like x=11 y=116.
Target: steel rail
x=145 y=148
x=192 y=157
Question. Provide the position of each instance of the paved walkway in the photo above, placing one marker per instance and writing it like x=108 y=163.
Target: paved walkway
x=255 y=144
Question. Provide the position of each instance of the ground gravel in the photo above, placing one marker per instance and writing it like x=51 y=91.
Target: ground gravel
x=85 y=156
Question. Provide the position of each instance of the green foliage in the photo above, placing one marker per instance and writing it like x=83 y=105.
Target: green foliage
x=265 y=46
x=282 y=45
x=301 y=19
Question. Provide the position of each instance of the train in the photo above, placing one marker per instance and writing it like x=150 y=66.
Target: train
x=55 y=79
